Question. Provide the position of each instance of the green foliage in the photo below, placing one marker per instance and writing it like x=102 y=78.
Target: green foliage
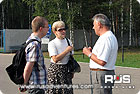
x=15 y=14
x=19 y=13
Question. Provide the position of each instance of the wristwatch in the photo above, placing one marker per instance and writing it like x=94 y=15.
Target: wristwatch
x=89 y=55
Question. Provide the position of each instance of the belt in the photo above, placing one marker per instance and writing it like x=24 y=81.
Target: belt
x=99 y=69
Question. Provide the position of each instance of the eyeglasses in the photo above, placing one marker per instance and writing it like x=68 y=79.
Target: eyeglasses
x=46 y=27
x=61 y=29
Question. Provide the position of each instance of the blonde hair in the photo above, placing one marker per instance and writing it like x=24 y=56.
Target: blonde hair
x=57 y=24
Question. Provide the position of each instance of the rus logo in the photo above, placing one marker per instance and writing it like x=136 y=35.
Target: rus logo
x=118 y=79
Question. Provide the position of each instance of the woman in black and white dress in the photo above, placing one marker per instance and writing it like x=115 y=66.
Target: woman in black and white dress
x=59 y=51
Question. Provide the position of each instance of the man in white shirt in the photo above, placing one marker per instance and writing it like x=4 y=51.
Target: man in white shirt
x=103 y=55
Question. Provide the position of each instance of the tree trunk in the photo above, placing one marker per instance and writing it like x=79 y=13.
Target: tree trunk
x=29 y=17
x=69 y=5
x=130 y=26
x=2 y=17
x=60 y=16
x=112 y=16
x=122 y=28
x=116 y=22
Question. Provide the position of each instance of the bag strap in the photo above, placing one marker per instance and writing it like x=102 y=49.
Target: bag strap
x=31 y=41
x=69 y=45
x=25 y=45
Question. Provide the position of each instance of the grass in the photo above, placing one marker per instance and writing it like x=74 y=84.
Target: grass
x=1 y=50
x=131 y=57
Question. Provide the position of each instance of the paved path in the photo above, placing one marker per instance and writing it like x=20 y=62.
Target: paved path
x=7 y=87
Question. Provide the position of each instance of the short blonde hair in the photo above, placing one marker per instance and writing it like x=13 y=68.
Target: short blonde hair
x=57 y=24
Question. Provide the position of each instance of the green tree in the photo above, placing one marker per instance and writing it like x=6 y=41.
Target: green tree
x=76 y=14
x=15 y=12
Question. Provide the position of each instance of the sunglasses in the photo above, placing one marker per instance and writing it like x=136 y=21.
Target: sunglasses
x=61 y=29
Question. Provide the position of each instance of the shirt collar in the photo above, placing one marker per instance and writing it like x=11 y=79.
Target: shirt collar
x=35 y=37
x=105 y=33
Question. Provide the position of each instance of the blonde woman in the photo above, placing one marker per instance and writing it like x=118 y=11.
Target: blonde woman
x=59 y=52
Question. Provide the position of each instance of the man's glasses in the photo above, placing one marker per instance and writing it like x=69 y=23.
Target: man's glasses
x=46 y=27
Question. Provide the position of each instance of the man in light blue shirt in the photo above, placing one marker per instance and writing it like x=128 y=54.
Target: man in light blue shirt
x=35 y=71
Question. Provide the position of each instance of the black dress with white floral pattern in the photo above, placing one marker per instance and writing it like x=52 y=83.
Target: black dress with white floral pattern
x=59 y=76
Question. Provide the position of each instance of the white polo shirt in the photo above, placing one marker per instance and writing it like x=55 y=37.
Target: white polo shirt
x=105 y=49
x=57 y=46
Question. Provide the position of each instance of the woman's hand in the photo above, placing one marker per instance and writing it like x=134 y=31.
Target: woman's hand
x=60 y=56
x=69 y=48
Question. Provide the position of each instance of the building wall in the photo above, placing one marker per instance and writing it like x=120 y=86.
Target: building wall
x=15 y=37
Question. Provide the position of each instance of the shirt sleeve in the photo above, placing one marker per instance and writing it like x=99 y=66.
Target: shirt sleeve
x=52 y=49
x=104 y=50
x=32 y=53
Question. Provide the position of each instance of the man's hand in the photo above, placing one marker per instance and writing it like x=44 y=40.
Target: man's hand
x=90 y=49
x=87 y=51
x=22 y=89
